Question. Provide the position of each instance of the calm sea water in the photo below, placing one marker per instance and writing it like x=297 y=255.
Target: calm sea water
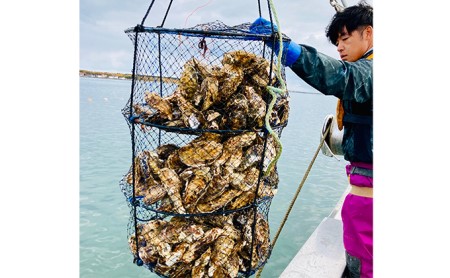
x=105 y=156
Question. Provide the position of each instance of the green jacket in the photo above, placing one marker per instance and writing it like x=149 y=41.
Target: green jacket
x=352 y=82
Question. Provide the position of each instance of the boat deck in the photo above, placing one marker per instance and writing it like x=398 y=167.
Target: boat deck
x=323 y=254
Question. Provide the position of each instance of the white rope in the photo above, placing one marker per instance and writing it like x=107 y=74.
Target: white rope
x=337 y=6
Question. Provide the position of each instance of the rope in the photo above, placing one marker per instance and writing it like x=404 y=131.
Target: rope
x=167 y=12
x=148 y=10
x=196 y=9
x=273 y=92
x=291 y=205
x=336 y=6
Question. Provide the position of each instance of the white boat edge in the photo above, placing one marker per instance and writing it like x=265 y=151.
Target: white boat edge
x=323 y=254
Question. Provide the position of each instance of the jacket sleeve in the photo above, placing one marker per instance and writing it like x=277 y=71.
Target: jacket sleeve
x=350 y=81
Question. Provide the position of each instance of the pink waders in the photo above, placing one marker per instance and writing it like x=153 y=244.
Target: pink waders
x=357 y=219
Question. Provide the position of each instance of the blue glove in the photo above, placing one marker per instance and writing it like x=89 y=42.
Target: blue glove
x=291 y=50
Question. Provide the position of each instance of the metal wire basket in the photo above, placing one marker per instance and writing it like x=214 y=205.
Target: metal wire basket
x=200 y=183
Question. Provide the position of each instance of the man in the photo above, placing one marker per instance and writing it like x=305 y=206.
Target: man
x=350 y=80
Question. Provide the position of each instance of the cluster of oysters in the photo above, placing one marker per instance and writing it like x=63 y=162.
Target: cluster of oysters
x=212 y=246
x=215 y=172
x=212 y=173
x=228 y=97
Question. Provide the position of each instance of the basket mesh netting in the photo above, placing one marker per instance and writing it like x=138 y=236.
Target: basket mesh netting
x=203 y=171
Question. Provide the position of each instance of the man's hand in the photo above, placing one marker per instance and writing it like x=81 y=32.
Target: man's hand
x=291 y=50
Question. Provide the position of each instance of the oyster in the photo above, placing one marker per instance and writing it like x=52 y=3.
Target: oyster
x=240 y=141
x=233 y=161
x=196 y=187
x=219 y=202
x=171 y=231
x=181 y=271
x=223 y=247
x=165 y=204
x=148 y=254
x=172 y=183
x=213 y=118
x=153 y=162
x=236 y=113
x=163 y=106
x=252 y=156
x=154 y=194
x=209 y=90
x=191 y=233
x=230 y=78
x=217 y=187
x=190 y=115
x=144 y=111
x=256 y=108
x=173 y=162
x=200 y=153
x=261 y=244
x=246 y=60
x=189 y=80
x=270 y=153
x=242 y=200
x=262 y=239
x=209 y=236
x=232 y=267
x=245 y=181
x=164 y=151
x=282 y=108
x=163 y=269
x=199 y=268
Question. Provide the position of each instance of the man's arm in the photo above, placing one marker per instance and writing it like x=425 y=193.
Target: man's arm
x=345 y=80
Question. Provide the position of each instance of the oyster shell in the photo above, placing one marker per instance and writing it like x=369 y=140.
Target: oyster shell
x=173 y=162
x=189 y=79
x=154 y=194
x=230 y=78
x=282 y=108
x=172 y=183
x=209 y=90
x=256 y=108
x=246 y=180
x=160 y=104
x=196 y=187
x=209 y=236
x=200 y=153
x=190 y=115
x=223 y=247
x=242 y=200
x=252 y=156
x=236 y=113
x=219 y=202
x=199 y=268
x=242 y=140
x=164 y=151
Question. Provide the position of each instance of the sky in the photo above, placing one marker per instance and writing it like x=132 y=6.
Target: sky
x=45 y=44
x=105 y=47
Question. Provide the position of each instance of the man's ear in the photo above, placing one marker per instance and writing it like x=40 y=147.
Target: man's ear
x=369 y=32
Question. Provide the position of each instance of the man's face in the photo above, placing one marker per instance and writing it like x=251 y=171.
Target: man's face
x=352 y=46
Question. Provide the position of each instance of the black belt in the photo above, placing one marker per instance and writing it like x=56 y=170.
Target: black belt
x=362 y=171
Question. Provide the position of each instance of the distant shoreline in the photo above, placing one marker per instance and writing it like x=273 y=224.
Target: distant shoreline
x=128 y=76
x=124 y=76
x=102 y=74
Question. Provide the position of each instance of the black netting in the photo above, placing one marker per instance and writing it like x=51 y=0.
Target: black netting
x=202 y=179
x=234 y=244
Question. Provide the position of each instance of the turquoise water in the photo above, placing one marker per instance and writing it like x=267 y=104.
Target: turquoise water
x=105 y=156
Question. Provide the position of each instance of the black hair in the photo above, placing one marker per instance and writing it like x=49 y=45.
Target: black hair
x=352 y=18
